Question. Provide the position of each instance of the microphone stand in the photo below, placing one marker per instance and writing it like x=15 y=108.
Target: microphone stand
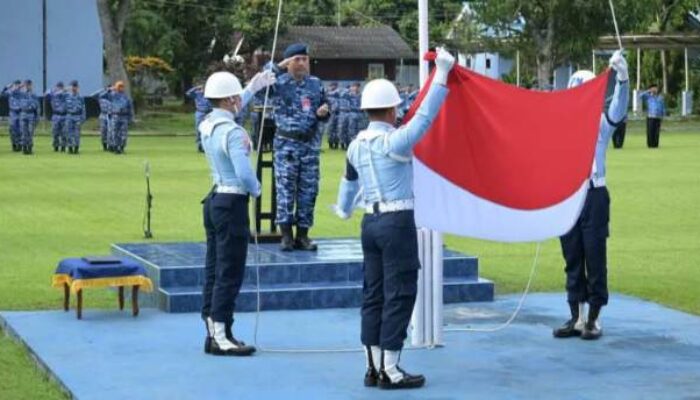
x=149 y=204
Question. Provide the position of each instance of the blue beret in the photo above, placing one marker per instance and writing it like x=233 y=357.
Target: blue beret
x=296 y=49
x=27 y=81
x=17 y=82
x=74 y=83
x=59 y=84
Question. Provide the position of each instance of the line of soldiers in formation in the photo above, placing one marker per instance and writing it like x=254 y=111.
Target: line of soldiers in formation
x=345 y=122
x=67 y=116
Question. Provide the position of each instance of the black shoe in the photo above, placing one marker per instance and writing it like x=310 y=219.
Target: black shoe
x=371 y=377
x=238 y=351
x=569 y=329
x=63 y=149
x=55 y=149
x=287 y=243
x=407 y=382
x=28 y=150
x=16 y=148
x=76 y=150
x=232 y=339
x=104 y=146
x=207 y=345
x=591 y=331
x=303 y=242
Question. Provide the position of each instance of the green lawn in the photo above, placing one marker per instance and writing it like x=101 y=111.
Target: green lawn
x=55 y=205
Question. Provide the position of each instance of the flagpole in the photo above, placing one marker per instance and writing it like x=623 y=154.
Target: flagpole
x=427 y=319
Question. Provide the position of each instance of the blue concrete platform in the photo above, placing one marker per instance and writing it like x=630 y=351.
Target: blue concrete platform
x=328 y=278
x=648 y=352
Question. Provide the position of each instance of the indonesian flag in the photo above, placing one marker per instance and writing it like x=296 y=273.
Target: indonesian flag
x=504 y=163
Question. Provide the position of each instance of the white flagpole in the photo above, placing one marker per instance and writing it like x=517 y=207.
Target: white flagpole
x=427 y=318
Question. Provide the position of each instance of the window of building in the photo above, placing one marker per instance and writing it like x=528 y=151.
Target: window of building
x=375 y=71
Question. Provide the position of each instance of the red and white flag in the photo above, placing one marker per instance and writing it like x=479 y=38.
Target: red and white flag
x=504 y=163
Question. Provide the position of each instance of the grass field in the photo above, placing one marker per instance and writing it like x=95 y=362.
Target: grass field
x=55 y=205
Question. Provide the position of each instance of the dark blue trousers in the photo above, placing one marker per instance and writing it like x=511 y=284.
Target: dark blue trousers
x=227 y=228
x=585 y=251
x=390 y=249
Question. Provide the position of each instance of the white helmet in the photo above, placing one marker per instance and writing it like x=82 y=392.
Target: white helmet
x=221 y=85
x=378 y=94
x=580 y=77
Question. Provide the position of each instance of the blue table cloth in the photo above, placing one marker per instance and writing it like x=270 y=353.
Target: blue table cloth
x=79 y=274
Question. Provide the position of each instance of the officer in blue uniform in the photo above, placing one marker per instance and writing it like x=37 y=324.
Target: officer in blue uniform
x=122 y=114
x=332 y=95
x=379 y=162
x=352 y=117
x=300 y=102
x=225 y=211
x=202 y=107
x=57 y=98
x=585 y=246
x=103 y=97
x=656 y=109
x=29 y=114
x=13 y=93
x=75 y=107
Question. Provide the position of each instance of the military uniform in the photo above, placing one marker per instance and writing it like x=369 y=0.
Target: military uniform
x=75 y=107
x=296 y=150
x=122 y=114
x=225 y=214
x=333 y=95
x=656 y=109
x=379 y=162
x=57 y=99
x=14 y=97
x=29 y=114
x=202 y=108
x=584 y=247
x=104 y=99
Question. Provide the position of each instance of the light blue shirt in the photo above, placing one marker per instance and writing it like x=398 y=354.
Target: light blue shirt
x=615 y=113
x=655 y=104
x=227 y=148
x=382 y=156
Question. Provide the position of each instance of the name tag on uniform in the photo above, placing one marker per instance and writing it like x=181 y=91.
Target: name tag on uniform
x=305 y=103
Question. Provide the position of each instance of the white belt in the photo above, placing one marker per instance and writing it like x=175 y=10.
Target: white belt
x=598 y=182
x=230 y=189
x=390 y=206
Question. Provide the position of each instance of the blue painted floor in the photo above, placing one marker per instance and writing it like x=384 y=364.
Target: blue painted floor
x=648 y=352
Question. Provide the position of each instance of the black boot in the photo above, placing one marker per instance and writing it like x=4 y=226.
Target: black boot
x=63 y=149
x=16 y=148
x=302 y=241
x=592 y=329
x=76 y=149
x=104 y=146
x=287 y=243
x=55 y=149
x=372 y=374
x=405 y=381
x=574 y=326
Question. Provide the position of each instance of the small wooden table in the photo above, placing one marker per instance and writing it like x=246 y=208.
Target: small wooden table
x=75 y=274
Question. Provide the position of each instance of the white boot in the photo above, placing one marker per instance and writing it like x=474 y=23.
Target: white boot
x=373 y=355
x=221 y=345
x=209 y=324
x=393 y=377
x=581 y=322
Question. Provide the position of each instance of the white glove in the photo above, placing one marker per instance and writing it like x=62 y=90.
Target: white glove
x=261 y=80
x=619 y=64
x=443 y=63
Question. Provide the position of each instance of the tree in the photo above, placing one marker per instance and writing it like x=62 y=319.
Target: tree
x=555 y=31
x=113 y=16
